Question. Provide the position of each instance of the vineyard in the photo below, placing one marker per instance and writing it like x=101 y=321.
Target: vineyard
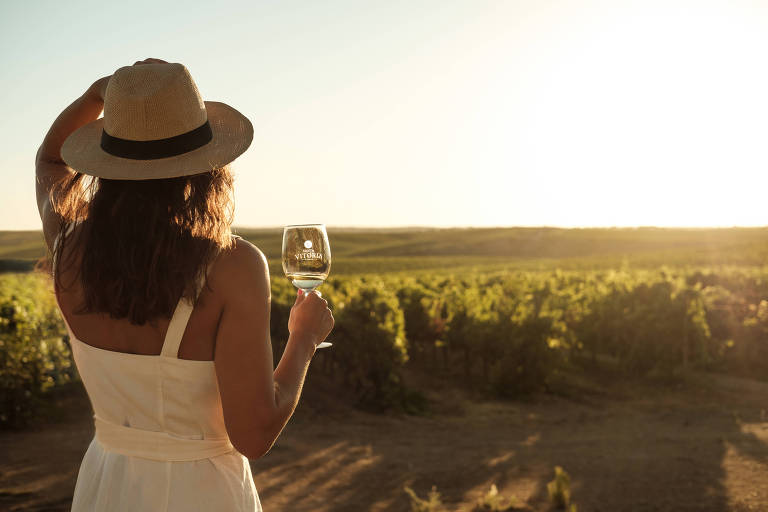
x=34 y=351
x=509 y=334
x=631 y=358
x=502 y=333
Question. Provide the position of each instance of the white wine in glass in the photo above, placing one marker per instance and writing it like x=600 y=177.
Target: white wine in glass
x=306 y=257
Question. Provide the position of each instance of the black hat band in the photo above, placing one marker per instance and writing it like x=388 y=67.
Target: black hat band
x=160 y=148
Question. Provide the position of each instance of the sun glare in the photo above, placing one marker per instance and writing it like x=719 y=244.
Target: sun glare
x=468 y=113
x=647 y=116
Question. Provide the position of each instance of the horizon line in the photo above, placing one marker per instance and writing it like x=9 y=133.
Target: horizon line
x=435 y=228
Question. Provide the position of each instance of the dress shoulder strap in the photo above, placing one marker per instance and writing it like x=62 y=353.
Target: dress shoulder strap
x=180 y=318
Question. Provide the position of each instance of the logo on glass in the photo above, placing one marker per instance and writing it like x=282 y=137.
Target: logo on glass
x=308 y=253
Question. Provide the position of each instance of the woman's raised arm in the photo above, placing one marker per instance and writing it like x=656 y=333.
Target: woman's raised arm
x=50 y=169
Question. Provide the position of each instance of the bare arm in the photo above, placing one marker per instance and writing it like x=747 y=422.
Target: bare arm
x=50 y=169
x=292 y=368
x=257 y=399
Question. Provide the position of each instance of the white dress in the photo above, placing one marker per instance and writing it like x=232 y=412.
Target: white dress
x=160 y=442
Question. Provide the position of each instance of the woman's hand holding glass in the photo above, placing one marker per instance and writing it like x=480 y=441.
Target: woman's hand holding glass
x=307 y=258
x=310 y=317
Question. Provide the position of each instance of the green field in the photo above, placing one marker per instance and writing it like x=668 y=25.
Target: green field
x=521 y=349
x=357 y=251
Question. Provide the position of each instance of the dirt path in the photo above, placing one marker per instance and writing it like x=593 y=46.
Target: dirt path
x=702 y=447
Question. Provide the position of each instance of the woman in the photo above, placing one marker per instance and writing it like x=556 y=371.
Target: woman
x=167 y=312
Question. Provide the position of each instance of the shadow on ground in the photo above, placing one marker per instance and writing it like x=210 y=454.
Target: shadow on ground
x=702 y=446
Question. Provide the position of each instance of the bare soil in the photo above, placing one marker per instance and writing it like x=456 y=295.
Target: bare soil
x=700 y=445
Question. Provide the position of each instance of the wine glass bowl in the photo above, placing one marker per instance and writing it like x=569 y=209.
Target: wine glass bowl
x=306 y=257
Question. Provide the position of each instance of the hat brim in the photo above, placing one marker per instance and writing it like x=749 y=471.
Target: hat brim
x=232 y=134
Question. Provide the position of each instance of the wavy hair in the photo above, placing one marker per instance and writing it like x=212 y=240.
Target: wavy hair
x=143 y=244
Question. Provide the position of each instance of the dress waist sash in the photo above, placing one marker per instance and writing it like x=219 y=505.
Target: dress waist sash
x=157 y=445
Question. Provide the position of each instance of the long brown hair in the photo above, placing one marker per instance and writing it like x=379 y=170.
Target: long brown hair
x=142 y=244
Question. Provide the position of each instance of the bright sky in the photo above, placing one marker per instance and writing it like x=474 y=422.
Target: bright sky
x=444 y=113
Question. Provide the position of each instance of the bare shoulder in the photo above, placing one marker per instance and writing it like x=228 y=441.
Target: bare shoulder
x=243 y=265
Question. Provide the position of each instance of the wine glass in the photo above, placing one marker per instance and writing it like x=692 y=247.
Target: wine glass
x=306 y=257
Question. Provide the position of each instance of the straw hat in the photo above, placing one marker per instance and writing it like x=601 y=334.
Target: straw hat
x=156 y=125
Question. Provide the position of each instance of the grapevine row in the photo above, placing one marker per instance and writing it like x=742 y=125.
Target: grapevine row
x=504 y=333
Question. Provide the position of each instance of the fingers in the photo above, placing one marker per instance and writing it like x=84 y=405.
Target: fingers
x=317 y=293
x=310 y=313
x=314 y=295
